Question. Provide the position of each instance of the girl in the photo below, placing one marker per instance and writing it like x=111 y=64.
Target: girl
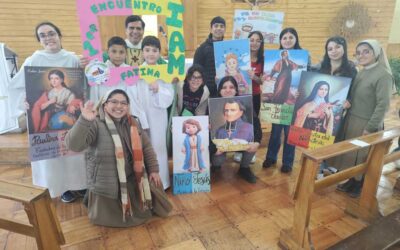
x=59 y=175
x=193 y=94
x=288 y=40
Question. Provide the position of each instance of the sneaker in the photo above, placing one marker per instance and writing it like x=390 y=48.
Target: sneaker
x=286 y=169
x=347 y=186
x=268 y=163
x=246 y=174
x=237 y=157
x=253 y=160
x=68 y=197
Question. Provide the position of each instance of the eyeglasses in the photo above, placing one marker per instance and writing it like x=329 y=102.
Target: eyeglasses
x=51 y=34
x=196 y=78
x=363 y=52
x=116 y=102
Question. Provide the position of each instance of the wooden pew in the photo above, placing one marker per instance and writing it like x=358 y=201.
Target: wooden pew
x=44 y=224
x=298 y=236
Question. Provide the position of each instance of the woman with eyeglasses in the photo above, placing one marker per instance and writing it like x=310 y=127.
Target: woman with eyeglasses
x=59 y=175
x=193 y=94
x=370 y=100
x=124 y=184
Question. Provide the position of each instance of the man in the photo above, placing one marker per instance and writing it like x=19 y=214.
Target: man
x=235 y=127
x=204 y=54
x=134 y=30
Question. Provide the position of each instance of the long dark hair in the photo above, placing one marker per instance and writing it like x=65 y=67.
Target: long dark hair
x=228 y=79
x=292 y=31
x=58 y=73
x=345 y=66
x=260 y=53
x=190 y=72
x=49 y=24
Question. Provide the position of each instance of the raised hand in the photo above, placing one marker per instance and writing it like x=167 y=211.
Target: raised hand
x=88 y=111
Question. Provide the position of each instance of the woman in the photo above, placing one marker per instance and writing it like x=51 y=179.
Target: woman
x=257 y=67
x=124 y=184
x=228 y=87
x=335 y=60
x=58 y=102
x=288 y=39
x=193 y=94
x=315 y=112
x=61 y=174
x=370 y=100
x=336 y=63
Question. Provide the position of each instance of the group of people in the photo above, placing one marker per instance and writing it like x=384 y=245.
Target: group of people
x=125 y=167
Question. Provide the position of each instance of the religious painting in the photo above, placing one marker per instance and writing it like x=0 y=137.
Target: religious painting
x=282 y=70
x=53 y=99
x=232 y=58
x=231 y=120
x=318 y=111
x=190 y=154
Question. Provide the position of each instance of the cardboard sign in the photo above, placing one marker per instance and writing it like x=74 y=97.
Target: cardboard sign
x=88 y=10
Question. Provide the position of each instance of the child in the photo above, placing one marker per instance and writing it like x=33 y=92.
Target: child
x=192 y=146
x=149 y=102
x=117 y=54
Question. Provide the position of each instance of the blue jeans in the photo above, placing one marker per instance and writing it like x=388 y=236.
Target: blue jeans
x=275 y=144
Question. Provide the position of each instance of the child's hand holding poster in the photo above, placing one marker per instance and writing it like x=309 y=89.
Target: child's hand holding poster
x=282 y=69
x=318 y=109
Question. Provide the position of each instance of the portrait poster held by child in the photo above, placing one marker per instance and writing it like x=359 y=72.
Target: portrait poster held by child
x=190 y=154
x=318 y=110
x=232 y=58
x=231 y=121
x=282 y=70
x=53 y=96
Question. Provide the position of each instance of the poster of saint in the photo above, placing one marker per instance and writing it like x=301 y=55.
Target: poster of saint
x=267 y=22
x=231 y=120
x=190 y=154
x=282 y=70
x=53 y=97
x=318 y=110
x=232 y=58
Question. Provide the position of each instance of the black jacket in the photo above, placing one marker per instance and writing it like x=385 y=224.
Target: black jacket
x=204 y=56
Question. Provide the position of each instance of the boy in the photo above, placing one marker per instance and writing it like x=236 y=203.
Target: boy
x=117 y=55
x=149 y=102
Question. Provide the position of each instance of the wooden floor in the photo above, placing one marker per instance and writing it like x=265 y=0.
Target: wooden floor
x=234 y=215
